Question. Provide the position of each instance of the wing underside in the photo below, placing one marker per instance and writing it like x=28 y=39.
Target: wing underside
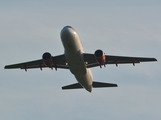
x=91 y=61
x=59 y=61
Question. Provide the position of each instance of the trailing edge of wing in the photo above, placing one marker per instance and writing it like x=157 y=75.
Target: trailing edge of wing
x=95 y=85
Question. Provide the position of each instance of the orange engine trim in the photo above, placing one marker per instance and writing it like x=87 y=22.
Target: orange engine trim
x=100 y=57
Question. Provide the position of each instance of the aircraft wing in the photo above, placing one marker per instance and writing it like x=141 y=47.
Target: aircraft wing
x=59 y=61
x=91 y=61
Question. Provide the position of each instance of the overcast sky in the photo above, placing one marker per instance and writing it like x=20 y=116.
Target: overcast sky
x=126 y=27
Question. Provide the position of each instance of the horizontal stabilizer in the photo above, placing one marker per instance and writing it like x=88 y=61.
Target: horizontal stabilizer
x=72 y=86
x=95 y=85
x=100 y=84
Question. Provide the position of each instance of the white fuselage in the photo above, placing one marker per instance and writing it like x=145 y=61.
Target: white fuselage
x=74 y=57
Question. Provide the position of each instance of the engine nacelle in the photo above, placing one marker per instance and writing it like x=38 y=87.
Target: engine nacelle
x=100 y=57
x=47 y=59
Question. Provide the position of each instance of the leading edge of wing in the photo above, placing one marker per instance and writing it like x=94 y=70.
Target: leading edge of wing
x=132 y=59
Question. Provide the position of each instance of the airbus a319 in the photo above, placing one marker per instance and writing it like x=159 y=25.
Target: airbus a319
x=78 y=62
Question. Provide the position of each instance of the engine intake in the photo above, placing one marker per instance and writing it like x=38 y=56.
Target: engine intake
x=98 y=53
x=47 y=59
x=100 y=57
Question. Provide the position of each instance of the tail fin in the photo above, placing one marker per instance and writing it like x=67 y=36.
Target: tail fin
x=95 y=85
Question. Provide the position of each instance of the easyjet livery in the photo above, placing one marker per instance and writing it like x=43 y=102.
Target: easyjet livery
x=78 y=62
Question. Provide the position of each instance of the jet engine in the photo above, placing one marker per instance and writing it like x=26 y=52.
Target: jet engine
x=47 y=59
x=100 y=57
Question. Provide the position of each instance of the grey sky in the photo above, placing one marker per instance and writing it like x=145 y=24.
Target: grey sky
x=128 y=28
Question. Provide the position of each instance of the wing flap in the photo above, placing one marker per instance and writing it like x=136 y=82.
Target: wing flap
x=58 y=66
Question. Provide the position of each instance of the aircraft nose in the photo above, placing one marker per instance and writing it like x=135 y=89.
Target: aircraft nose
x=67 y=32
x=66 y=29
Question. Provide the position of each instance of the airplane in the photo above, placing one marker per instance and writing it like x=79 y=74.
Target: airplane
x=78 y=62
